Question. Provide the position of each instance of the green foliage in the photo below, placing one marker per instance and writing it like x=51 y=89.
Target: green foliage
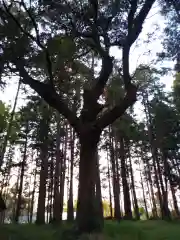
x=4 y=115
x=170 y=9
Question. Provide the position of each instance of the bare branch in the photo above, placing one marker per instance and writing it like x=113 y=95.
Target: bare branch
x=106 y=70
x=110 y=116
x=125 y=67
x=134 y=29
x=132 y=13
x=138 y=21
x=49 y=95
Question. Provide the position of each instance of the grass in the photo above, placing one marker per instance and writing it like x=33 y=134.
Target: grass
x=126 y=230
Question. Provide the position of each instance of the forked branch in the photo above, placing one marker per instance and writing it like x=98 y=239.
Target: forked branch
x=134 y=29
x=54 y=99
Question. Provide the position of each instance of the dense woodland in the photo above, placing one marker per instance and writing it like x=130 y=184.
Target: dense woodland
x=79 y=143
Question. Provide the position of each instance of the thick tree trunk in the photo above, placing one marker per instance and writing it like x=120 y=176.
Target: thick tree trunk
x=88 y=217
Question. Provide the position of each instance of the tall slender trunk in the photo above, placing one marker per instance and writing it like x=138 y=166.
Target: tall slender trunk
x=18 y=208
x=7 y=173
x=156 y=172
x=136 y=207
x=153 y=151
x=63 y=172
x=98 y=188
x=88 y=218
x=154 y=208
x=32 y=198
x=30 y=184
x=165 y=209
x=15 y=195
x=44 y=129
x=50 y=187
x=118 y=168
x=144 y=196
x=42 y=186
x=115 y=180
x=127 y=201
x=109 y=185
x=70 y=211
x=56 y=206
x=168 y=177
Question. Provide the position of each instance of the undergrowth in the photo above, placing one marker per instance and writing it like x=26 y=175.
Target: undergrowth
x=125 y=230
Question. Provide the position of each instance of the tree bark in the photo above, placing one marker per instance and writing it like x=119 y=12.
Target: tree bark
x=70 y=211
x=88 y=218
x=50 y=187
x=109 y=185
x=43 y=135
x=98 y=188
x=115 y=180
x=165 y=209
x=18 y=207
x=154 y=210
x=33 y=196
x=127 y=201
x=168 y=176
x=42 y=187
x=56 y=205
x=136 y=207
x=144 y=197
x=63 y=173
x=153 y=151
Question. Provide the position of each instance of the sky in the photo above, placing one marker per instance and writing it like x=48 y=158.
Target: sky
x=143 y=53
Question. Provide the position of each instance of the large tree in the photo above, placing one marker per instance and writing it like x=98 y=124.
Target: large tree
x=83 y=27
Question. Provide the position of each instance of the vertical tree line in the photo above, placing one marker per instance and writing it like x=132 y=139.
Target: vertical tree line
x=79 y=118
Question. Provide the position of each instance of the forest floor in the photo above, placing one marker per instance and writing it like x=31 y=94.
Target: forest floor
x=126 y=230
